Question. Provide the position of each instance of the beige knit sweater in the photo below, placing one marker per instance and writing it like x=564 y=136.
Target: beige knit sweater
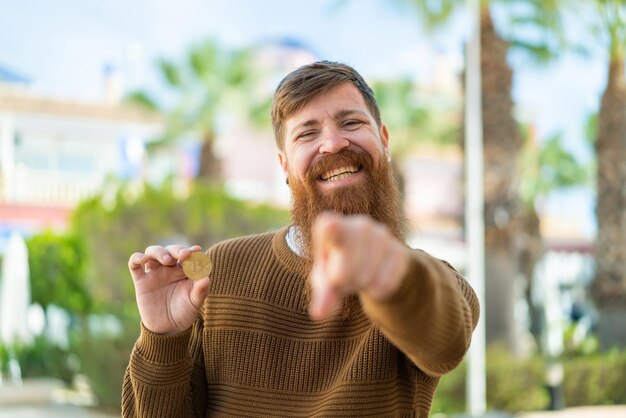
x=254 y=351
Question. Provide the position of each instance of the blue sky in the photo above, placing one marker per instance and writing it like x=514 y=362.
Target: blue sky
x=63 y=45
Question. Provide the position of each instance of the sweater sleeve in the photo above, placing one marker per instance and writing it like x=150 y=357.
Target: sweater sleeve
x=431 y=317
x=165 y=376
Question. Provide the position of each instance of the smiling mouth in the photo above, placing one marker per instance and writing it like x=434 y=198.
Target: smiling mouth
x=340 y=173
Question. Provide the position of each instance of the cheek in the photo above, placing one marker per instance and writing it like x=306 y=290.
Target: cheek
x=369 y=144
x=302 y=167
x=301 y=161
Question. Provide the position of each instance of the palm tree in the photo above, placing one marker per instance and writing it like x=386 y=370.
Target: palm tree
x=610 y=148
x=411 y=119
x=510 y=225
x=208 y=82
x=546 y=168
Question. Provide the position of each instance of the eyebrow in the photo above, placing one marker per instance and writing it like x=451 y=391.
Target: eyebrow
x=348 y=112
x=338 y=115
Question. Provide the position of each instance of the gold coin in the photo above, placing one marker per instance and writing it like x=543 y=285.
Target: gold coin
x=197 y=265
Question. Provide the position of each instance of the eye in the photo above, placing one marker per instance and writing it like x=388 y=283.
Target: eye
x=352 y=124
x=307 y=135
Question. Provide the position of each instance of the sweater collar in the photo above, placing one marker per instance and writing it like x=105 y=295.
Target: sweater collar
x=286 y=255
x=294 y=239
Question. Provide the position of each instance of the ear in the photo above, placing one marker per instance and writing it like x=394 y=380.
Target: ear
x=384 y=137
x=282 y=158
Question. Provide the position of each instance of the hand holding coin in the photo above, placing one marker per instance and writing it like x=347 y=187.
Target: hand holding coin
x=197 y=265
x=170 y=286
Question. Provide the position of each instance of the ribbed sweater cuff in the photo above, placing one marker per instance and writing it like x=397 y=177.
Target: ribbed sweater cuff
x=163 y=349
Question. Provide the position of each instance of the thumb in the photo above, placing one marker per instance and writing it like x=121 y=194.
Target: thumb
x=199 y=292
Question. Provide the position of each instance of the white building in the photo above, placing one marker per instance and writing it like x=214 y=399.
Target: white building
x=55 y=152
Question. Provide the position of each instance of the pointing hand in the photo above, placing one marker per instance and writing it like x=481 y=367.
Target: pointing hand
x=354 y=254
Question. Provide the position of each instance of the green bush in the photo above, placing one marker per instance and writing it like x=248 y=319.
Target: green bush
x=58 y=266
x=516 y=385
x=103 y=359
x=115 y=225
x=43 y=358
x=595 y=380
x=450 y=395
x=512 y=385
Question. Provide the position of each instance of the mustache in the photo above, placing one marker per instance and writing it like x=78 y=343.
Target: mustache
x=345 y=157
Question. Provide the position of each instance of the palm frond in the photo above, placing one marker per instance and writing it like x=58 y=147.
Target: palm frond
x=541 y=53
x=142 y=99
x=433 y=13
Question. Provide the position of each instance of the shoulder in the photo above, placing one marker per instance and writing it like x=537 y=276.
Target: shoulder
x=463 y=285
x=421 y=253
x=246 y=245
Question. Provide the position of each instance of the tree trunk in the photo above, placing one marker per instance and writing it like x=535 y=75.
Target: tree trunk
x=510 y=233
x=210 y=169
x=610 y=249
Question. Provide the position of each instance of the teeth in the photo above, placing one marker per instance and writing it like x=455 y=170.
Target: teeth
x=339 y=173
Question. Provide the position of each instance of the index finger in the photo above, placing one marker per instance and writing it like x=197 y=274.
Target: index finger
x=328 y=232
x=137 y=260
x=180 y=252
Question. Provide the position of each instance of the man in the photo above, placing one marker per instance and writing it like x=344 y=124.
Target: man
x=331 y=316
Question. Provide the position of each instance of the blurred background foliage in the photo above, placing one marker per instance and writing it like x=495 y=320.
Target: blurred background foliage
x=63 y=260
x=85 y=270
x=518 y=384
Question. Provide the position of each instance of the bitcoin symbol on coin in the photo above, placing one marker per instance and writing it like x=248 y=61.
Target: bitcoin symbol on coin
x=197 y=265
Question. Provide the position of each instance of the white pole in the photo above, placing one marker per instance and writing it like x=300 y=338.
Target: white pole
x=8 y=188
x=474 y=211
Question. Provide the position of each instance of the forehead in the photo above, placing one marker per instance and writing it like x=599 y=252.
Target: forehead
x=343 y=97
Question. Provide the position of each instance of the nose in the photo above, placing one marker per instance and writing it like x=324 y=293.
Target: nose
x=333 y=142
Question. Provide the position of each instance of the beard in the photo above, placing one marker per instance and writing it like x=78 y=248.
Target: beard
x=377 y=196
